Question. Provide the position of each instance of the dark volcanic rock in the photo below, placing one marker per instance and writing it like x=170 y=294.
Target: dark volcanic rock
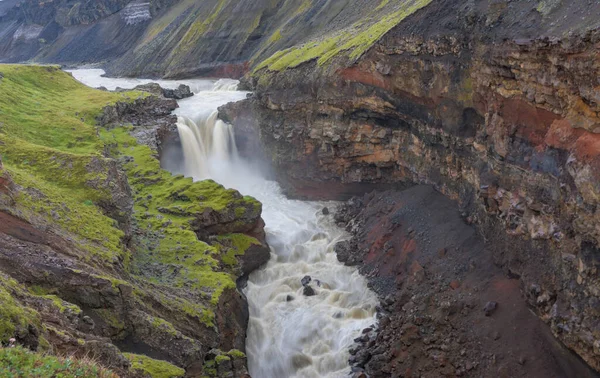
x=308 y=291
x=181 y=92
x=425 y=324
x=305 y=280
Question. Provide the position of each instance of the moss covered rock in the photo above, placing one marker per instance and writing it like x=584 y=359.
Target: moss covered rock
x=146 y=367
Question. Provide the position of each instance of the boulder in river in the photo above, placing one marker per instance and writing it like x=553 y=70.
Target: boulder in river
x=181 y=92
x=306 y=280
x=309 y=291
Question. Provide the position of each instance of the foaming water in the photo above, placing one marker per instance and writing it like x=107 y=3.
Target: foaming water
x=289 y=335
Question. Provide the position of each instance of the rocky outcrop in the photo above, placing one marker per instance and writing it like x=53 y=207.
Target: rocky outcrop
x=495 y=108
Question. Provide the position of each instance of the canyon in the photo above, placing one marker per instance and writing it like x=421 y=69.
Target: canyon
x=465 y=135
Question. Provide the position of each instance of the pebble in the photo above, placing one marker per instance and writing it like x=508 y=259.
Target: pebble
x=490 y=308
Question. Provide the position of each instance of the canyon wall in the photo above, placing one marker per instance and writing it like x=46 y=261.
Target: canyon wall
x=494 y=103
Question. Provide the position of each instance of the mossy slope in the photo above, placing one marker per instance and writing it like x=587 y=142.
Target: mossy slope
x=20 y=362
x=351 y=42
x=144 y=238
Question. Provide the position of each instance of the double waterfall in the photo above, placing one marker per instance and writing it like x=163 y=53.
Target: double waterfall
x=289 y=334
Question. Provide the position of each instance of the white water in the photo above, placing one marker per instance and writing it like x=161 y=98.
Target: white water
x=304 y=337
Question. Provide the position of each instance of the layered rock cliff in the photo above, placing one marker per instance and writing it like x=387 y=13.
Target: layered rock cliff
x=104 y=254
x=494 y=103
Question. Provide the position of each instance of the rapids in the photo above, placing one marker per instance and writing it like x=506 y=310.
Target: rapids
x=289 y=334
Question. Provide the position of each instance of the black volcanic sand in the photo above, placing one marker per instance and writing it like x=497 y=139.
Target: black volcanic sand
x=435 y=275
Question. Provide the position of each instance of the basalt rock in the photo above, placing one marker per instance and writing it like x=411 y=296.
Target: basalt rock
x=492 y=103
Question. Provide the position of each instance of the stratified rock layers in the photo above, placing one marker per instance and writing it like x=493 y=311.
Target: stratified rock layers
x=489 y=103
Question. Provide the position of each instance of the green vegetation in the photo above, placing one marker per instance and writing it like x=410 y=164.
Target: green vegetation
x=166 y=207
x=236 y=353
x=545 y=7
x=163 y=324
x=353 y=41
x=20 y=362
x=64 y=168
x=235 y=245
x=150 y=368
x=275 y=37
x=13 y=315
x=198 y=28
x=50 y=147
x=63 y=306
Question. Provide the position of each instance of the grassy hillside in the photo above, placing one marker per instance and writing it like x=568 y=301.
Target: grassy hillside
x=121 y=230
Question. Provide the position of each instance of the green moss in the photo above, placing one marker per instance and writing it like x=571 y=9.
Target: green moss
x=164 y=325
x=198 y=28
x=236 y=353
x=50 y=147
x=353 y=41
x=62 y=305
x=13 y=315
x=235 y=245
x=112 y=319
x=545 y=7
x=151 y=368
x=382 y=4
x=19 y=362
x=275 y=37
x=166 y=207
x=47 y=107
x=222 y=358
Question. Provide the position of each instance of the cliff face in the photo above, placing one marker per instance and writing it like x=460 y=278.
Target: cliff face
x=495 y=104
x=103 y=253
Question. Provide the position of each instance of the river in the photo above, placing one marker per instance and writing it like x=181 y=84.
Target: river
x=289 y=334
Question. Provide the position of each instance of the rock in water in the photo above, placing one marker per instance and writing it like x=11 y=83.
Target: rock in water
x=325 y=211
x=306 y=280
x=309 y=291
x=183 y=91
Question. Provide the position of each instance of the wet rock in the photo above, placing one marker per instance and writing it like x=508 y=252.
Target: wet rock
x=308 y=291
x=181 y=92
x=490 y=308
x=289 y=298
x=325 y=211
x=305 y=280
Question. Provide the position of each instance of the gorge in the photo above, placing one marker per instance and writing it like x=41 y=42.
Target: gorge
x=462 y=136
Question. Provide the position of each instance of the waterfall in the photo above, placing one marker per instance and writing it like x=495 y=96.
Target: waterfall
x=290 y=335
x=208 y=145
x=225 y=85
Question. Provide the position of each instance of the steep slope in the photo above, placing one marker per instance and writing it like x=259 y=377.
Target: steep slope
x=494 y=103
x=176 y=38
x=101 y=251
